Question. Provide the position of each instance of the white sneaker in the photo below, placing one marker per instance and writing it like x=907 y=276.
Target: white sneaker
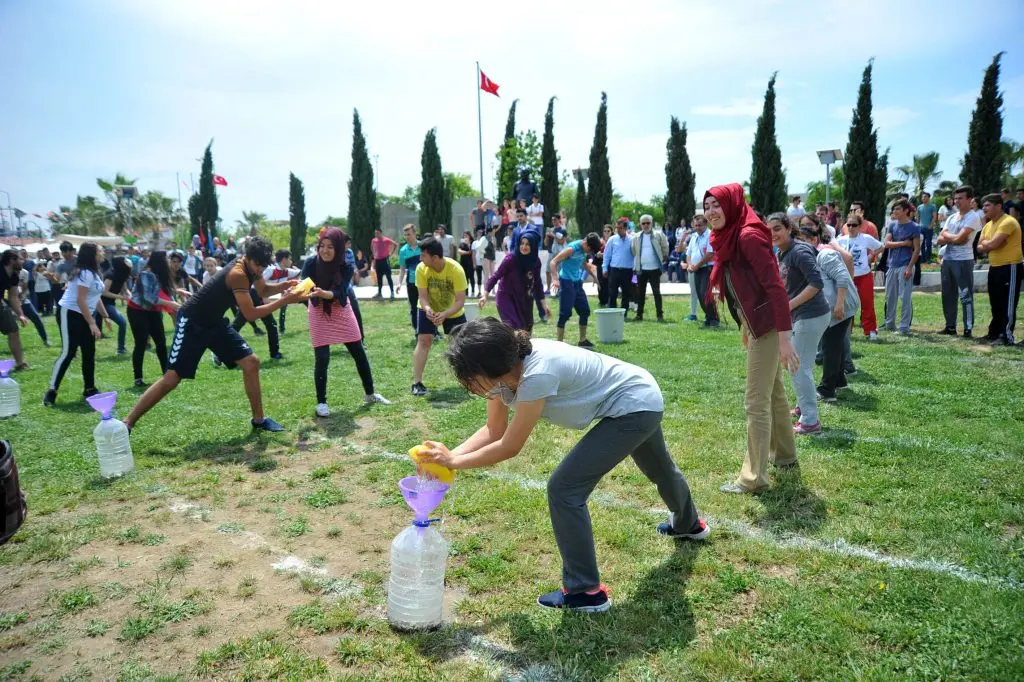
x=873 y=336
x=376 y=398
x=322 y=410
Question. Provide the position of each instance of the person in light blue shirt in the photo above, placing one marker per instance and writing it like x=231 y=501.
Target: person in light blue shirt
x=926 y=212
x=618 y=264
x=567 y=267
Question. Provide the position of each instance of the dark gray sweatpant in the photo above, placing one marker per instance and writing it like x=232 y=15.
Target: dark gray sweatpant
x=958 y=287
x=597 y=453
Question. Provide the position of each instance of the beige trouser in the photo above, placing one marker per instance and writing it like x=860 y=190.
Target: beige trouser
x=769 y=428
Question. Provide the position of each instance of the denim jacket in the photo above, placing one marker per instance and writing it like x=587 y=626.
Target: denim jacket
x=146 y=293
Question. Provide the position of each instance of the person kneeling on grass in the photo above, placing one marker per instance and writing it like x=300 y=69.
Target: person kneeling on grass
x=570 y=387
x=201 y=325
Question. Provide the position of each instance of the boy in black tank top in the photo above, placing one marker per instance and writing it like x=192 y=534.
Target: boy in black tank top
x=201 y=325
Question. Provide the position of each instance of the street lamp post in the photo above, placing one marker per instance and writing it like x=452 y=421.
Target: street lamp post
x=127 y=192
x=829 y=157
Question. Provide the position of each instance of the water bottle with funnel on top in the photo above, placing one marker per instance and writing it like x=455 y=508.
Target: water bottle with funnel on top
x=418 y=557
x=113 y=448
x=10 y=392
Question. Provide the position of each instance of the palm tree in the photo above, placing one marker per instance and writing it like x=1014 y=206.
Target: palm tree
x=921 y=172
x=1013 y=157
x=155 y=211
x=119 y=204
x=251 y=220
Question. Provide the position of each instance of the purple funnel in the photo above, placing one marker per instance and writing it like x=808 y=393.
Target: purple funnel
x=5 y=367
x=103 y=403
x=422 y=495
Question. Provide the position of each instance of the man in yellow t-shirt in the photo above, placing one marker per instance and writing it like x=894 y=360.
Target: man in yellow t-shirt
x=1000 y=239
x=441 y=282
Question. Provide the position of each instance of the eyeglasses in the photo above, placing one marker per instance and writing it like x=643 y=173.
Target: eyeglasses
x=645 y=223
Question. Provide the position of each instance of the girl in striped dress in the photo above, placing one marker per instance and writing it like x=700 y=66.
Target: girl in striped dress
x=331 y=320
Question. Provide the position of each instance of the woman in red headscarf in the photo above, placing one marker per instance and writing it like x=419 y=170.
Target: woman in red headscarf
x=331 y=320
x=746 y=276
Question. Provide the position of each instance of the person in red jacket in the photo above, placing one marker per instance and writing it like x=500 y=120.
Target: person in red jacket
x=746 y=276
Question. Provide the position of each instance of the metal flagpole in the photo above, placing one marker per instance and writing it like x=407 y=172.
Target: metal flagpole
x=480 y=129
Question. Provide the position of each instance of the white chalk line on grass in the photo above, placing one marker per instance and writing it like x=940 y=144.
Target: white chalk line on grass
x=790 y=541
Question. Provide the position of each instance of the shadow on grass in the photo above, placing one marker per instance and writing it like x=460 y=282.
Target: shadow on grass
x=862 y=377
x=861 y=402
x=339 y=424
x=790 y=506
x=656 y=617
x=447 y=397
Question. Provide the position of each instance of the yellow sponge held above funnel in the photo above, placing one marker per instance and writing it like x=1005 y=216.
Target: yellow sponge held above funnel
x=305 y=286
x=443 y=474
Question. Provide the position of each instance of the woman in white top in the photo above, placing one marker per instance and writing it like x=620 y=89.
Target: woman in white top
x=78 y=329
x=570 y=387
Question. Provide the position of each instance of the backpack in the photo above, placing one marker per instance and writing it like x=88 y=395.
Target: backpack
x=14 y=507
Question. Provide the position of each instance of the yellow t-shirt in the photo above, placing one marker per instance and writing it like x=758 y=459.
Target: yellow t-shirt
x=441 y=286
x=1009 y=253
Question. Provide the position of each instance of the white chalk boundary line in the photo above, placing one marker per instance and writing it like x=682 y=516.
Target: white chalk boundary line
x=790 y=541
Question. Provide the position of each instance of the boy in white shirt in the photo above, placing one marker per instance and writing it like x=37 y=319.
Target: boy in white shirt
x=281 y=271
x=863 y=247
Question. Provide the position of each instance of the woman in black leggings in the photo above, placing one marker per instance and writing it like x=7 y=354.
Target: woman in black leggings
x=152 y=296
x=466 y=261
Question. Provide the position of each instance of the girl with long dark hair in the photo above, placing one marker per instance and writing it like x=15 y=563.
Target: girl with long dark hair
x=331 y=320
x=115 y=281
x=152 y=296
x=77 y=327
x=467 y=261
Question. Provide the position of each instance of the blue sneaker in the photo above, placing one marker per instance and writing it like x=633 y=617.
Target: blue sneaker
x=698 y=532
x=691 y=318
x=599 y=602
x=267 y=424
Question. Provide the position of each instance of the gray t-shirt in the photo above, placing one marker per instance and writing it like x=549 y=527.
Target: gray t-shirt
x=579 y=385
x=799 y=269
x=955 y=224
x=64 y=268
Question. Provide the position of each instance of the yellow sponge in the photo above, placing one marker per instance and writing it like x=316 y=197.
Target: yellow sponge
x=305 y=286
x=443 y=474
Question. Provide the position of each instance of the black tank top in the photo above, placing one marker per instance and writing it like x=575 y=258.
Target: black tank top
x=209 y=304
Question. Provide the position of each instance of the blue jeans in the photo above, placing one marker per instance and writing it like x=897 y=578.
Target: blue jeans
x=571 y=296
x=118 y=319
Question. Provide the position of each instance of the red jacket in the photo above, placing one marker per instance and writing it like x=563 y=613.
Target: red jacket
x=754 y=290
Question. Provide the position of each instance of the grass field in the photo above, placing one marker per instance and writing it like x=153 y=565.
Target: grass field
x=894 y=552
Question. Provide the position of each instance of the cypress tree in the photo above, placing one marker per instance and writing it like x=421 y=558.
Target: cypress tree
x=767 y=179
x=582 y=219
x=507 y=171
x=296 y=217
x=599 y=190
x=679 y=200
x=363 y=209
x=207 y=209
x=861 y=163
x=435 y=208
x=982 y=167
x=193 y=213
x=549 y=164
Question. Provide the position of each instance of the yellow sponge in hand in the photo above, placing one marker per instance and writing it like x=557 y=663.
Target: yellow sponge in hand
x=443 y=474
x=305 y=286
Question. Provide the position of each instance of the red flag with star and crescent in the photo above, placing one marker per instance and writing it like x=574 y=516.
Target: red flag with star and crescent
x=220 y=180
x=487 y=85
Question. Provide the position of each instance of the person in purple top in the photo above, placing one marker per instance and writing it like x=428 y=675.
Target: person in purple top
x=521 y=284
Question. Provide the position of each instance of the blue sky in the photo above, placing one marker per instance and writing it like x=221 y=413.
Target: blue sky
x=139 y=87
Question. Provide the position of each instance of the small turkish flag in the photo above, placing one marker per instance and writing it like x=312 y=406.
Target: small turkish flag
x=219 y=180
x=487 y=85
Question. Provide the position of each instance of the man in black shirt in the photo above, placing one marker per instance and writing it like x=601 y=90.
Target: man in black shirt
x=201 y=325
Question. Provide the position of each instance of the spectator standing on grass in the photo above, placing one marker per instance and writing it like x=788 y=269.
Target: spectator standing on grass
x=795 y=210
x=1001 y=242
x=467 y=259
x=957 y=237
x=700 y=258
x=447 y=241
x=408 y=260
x=479 y=248
x=618 y=265
x=602 y=274
x=676 y=258
x=567 y=272
x=927 y=213
x=572 y=388
x=650 y=249
x=536 y=211
x=1010 y=208
x=442 y=292
x=798 y=267
x=866 y=226
x=832 y=215
x=747 y=277
x=863 y=247
x=947 y=209
x=26 y=302
x=63 y=269
x=903 y=242
x=383 y=249
x=478 y=217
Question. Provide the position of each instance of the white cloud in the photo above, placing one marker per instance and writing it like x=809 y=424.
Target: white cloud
x=749 y=106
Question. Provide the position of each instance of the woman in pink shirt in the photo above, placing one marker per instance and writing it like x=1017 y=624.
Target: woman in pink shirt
x=383 y=248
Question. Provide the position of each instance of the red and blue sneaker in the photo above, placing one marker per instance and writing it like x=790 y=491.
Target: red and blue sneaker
x=597 y=601
x=698 y=532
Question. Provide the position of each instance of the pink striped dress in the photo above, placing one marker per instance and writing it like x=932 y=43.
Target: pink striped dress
x=338 y=328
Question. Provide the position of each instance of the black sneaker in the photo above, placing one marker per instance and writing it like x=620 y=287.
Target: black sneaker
x=698 y=532
x=50 y=398
x=850 y=372
x=139 y=383
x=968 y=334
x=662 y=320
x=277 y=356
x=267 y=424
x=1001 y=341
x=259 y=332
x=582 y=602
x=948 y=332
x=90 y=392
x=418 y=389
x=638 y=318
x=585 y=343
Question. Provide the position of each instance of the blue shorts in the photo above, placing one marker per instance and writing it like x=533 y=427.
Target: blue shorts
x=425 y=326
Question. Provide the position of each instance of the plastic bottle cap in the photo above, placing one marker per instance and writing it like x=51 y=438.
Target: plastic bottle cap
x=425 y=523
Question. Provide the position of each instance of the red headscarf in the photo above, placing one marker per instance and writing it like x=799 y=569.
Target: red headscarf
x=327 y=274
x=725 y=241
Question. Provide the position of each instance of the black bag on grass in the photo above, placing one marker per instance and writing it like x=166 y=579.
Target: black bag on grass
x=14 y=507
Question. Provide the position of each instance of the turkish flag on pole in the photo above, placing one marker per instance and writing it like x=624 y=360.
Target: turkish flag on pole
x=219 y=180
x=487 y=85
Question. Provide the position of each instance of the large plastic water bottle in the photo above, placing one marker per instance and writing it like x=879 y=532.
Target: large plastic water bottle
x=10 y=392
x=418 y=557
x=113 y=448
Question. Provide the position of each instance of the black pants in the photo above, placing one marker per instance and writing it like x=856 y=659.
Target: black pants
x=652 y=277
x=414 y=296
x=280 y=319
x=354 y=302
x=322 y=359
x=33 y=316
x=272 y=338
x=602 y=287
x=619 y=279
x=45 y=300
x=237 y=313
x=1004 y=295
x=701 y=282
x=382 y=266
x=75 y=334
x=467 y=269
x=833 y=375
x=146 y=325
